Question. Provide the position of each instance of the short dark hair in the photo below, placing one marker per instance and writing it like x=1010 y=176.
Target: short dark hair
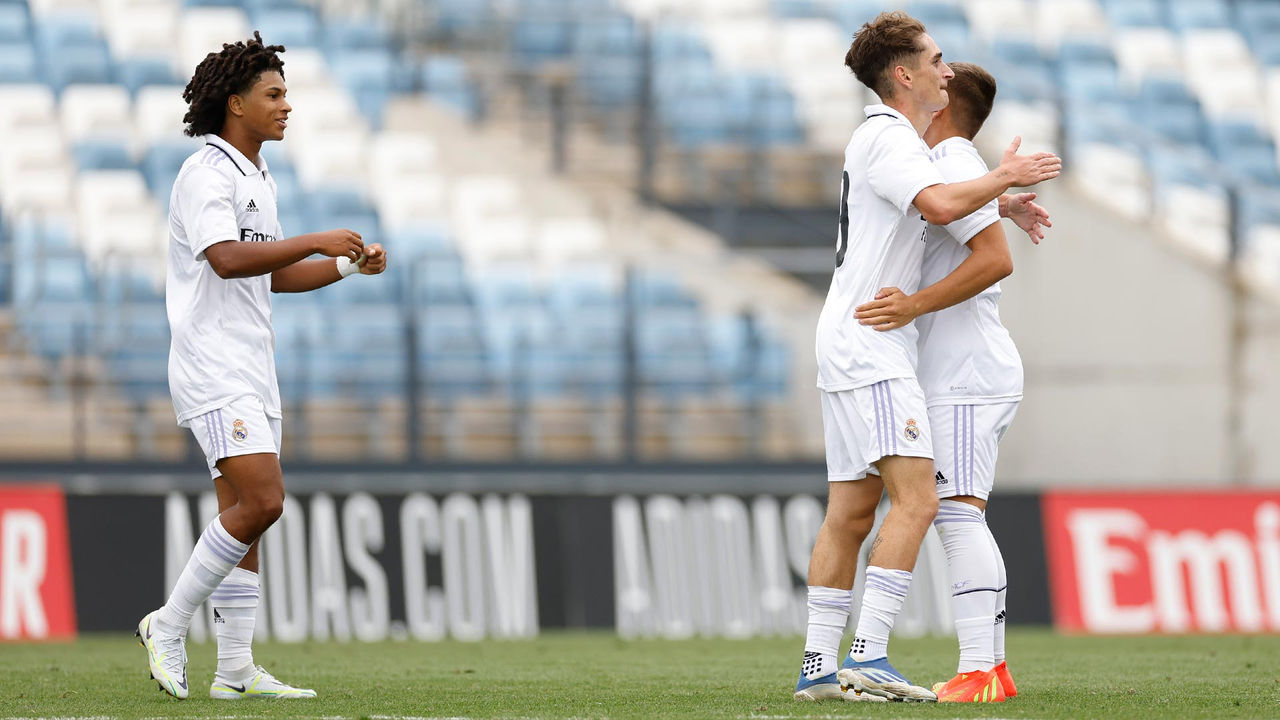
x=233 y=71
x=881 y=45
x=971 y=93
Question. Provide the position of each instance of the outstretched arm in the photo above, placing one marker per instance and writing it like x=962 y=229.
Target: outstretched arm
x=987 y=264
x=944 y=203
x=308 y=275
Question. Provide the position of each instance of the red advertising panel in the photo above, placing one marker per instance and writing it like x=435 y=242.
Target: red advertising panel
x=35 y=565
x=1164 y=562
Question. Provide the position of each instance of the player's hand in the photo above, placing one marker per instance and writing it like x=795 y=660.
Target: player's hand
x=375 y=259
x=1027 y=170
x=891 y=310
x=1029 y=216
x=340 y=243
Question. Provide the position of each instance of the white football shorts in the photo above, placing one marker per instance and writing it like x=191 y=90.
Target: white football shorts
x=241 y=427
x=966 y=439
x=865 y=424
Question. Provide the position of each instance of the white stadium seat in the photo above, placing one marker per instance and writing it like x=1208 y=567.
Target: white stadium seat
x=1145 y=51
x=998 y=17
x=1198 y=218
x=1057 y=19
x=204 y=30
x=158 y=113
x=96 y=110
x=1114 y=177
x=26 y=106
x=145 y=28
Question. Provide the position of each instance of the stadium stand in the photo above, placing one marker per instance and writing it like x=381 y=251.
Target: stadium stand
x=517 y=294
x=510 y=303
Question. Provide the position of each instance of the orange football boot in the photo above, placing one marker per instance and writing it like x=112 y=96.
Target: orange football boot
x=971 y=687
x=1006 y=680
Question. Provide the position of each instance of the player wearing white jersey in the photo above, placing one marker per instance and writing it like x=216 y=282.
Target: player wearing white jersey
x=227 y=253
x=874 y=413
x=972 y=380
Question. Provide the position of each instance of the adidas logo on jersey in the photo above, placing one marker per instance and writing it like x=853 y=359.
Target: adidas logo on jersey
x=217 y=618
x=251 y=207
x=939 y=479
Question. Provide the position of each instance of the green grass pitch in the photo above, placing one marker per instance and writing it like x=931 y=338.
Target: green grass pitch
x=596 y=675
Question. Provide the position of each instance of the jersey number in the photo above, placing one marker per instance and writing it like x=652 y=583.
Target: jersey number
x=844 y=219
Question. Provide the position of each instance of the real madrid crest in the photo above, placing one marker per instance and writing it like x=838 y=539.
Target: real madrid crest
x=239 y=431
x=912 y=430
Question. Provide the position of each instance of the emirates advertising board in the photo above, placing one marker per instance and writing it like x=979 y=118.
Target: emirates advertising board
x=1170 y=562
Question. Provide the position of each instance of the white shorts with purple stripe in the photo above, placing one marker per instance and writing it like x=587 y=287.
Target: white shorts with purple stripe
x=966 y=442
x=241 y=427
x=865 y=424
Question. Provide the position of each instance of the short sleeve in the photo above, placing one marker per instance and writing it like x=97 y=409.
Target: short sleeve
x=206 y=207
x=899 y=166
x=958 y=167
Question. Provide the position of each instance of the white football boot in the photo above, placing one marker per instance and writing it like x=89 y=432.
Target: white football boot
x=166 y=656
x=261 y=685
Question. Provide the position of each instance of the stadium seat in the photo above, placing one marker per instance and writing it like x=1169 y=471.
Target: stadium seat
x=293 y=27
x=96 y=111
x=15 y=25
x=452 y=356
x=1198 y=14
x=160 y=165
x=88 y=64
x=136 y=72
x=355 y=34
x=157 y=115
x=17 y=63
x=202 y=30
x=103 y=154
x=1134 y=13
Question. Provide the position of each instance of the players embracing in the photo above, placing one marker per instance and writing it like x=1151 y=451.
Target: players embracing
x=878 y=425
x=227 y=254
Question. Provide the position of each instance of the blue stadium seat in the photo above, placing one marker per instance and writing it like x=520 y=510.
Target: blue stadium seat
x=654 y=289
x=538 y=40
x=119 y=286
x=58 y=329
x=1181 y=165
x=355 y=34
x=1176 y=123
x=745 y=359
x=1198 y=14
x=452 y=358
x=293 y=27
x=59 y=31
x=369 y=75
x=672 y=352
x=1265 y=43
x=15 y=24
x=18 y=63
x=798 y=8
x=592 y=348
x=1164 y=90
x=1093 y=83
x=463 y=16
x=615 y=34
x=419 y=241
x=852 y=14
x=1257 y=14
x=1256 y=205
x=1226 y=136
x=103 y=154
x=1072 y=51
x=83 y=64
x=1016 y=51
x=137 y=72
x=61 y=279
x=369 y=359
x=934 y=13
x=524 y=349
x=444 y=78
x=1134 y=13
x=439 y=281
x=674 y=45
x=697 y=120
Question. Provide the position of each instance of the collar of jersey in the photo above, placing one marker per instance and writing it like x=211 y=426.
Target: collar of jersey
x=236 y=156
x=880 y=109
x=954 y=140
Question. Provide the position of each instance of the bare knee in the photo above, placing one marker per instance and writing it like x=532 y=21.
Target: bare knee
x=923 y=510
x=851 y=526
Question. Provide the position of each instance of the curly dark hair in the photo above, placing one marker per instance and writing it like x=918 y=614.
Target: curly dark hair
x=220 y=75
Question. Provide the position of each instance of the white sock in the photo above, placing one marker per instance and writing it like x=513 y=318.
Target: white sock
x=215 y=555
x=971 y=565
x=828 y=616
x=1003 y=585
x=235 y=610
x=881 y=602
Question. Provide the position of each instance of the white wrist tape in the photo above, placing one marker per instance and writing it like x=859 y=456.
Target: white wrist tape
x=346 y=267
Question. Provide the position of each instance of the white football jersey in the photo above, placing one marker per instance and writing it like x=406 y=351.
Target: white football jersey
x=223 y=345
x=966 y=354
x=879 y=244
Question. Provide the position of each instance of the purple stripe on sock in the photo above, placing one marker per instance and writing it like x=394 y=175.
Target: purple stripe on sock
x=223 y=546
x=842 y=604
x=220 y=552
x=885 y=587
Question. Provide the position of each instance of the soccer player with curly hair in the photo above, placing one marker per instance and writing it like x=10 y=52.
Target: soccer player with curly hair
x=227 y=253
